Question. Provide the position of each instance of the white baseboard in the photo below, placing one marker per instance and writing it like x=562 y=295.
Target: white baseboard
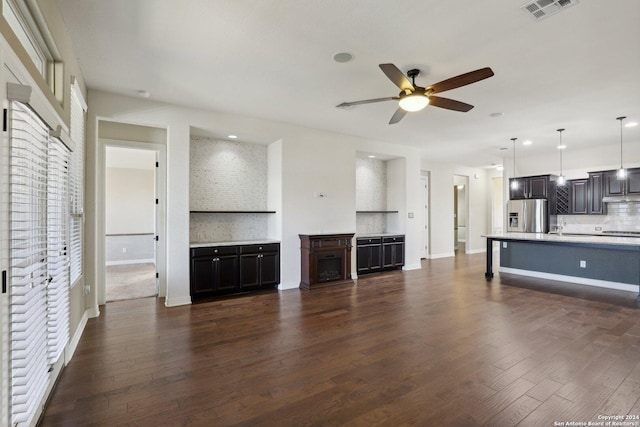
x=476 y=251
x=571 y=279
x=131 y=261
x=75 y=339
x=175 y=302
x=289 y=285
x=416 y=266
x=442 y=255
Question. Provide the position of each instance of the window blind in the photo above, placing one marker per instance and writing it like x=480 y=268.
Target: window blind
x=76 y=184
x=28 y=263
x=57 y=257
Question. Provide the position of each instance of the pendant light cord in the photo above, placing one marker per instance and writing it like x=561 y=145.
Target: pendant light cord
x=621 y=119
x=514 y=156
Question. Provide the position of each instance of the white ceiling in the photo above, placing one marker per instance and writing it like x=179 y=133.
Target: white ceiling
x=578 y=69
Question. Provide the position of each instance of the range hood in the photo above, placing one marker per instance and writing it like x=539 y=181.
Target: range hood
x=633 y=198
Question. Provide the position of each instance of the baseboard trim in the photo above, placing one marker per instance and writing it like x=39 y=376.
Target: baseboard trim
x=131 y=261
x=416 y=266
x=442 y=255
x=290 y=285
x=571 y=279
x=175 y=302
x=476 y=251
x=75 y=340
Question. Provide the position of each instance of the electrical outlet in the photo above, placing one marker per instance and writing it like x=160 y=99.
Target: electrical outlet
x=124 y=250
x=598 y=228
x=504 y=245
x=583 y=264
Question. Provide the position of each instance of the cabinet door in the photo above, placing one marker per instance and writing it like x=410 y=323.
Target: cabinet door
x=388 y=258
x=538 y=187
x=270 y=269
x=578 y=196
x=249 y=271
x=596 y=187
x=226 y=273
x=517 y=188
x=633 y=181
x=202 y=275
x=398 y=259
x=368 y=258
x=612 y=185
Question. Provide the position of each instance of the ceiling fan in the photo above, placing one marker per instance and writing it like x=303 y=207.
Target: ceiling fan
x=415 y=98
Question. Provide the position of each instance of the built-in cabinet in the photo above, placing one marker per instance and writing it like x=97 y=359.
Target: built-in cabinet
x=218 y=270
x=578 y=196
x=378 y=253
x=595 y=206
x=530 y=187
x=630 y=185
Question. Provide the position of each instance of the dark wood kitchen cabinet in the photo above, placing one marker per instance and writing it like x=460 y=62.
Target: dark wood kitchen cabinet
x=259 y=266
x=368 y=254
x=378 y=253
x=393 y=252
x=214 y=270
x=221 y=270
x=630 y=185
x=596 y=193
x=531 y=187
x=578 y=196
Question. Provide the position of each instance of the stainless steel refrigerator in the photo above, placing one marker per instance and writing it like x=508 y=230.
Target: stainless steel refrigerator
x=528 y=216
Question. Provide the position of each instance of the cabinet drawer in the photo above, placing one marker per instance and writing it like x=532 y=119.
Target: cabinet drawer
x=257 y=249
x=330 y=243
x=368 y=241
x=393 y=239
x=214 y=250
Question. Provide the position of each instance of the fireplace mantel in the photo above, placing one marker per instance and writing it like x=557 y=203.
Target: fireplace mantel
x=325 y=259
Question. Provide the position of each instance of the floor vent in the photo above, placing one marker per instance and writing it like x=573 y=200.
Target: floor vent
x=540 y=9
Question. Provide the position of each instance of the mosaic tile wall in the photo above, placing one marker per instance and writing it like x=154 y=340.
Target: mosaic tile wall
x=227 y=175
x=619 y=217
x=371 y=195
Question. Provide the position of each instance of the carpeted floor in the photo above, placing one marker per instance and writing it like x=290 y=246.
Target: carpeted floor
x=131 y=281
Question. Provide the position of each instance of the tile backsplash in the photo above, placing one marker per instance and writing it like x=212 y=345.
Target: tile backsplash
x=620 y=217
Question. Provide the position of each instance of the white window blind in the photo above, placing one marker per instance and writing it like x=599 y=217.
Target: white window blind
x=28 y=263
x=76 y=184
x=57 y=256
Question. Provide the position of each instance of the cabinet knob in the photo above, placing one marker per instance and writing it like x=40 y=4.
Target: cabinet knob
x=215 y=251
x=260 y=247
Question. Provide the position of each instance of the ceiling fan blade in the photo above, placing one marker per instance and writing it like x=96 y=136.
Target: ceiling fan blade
x=461 y=80
x=397 y=116
x=396 y=76
x=366 y=101
x=449 y=104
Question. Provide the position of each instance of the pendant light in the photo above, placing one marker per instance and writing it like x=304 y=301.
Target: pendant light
x=514 y=182
x=561 y=179
x=622 y=172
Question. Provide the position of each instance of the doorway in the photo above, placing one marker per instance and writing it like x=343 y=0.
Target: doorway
x=497 y=205
x=130 y=223
x=424 y=181
x=460 y=213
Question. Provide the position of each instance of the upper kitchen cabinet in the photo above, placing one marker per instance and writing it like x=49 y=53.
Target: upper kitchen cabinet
x=596 y=193
x=578 y=196
x=622 y=187
x=531 y=187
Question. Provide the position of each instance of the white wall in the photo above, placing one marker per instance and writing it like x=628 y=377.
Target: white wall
x=130 y=201
x=311 y=161
x=441 y=192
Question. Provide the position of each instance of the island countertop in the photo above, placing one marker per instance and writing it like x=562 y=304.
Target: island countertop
x=567 y=238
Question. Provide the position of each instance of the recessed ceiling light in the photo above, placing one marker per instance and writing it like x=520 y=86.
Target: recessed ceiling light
x=502 y=149
x=500 y=168
x=497 y=114
x=232 y=136
x=342 y=57
x=527 y=142
x=143 y=94
x=562 y=147
x=631 y=124
x=372 y=156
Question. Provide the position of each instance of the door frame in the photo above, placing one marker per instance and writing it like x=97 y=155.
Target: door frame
x=424 y=251
x=161 y=226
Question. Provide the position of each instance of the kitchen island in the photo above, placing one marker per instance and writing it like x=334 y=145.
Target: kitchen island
x=595 y=260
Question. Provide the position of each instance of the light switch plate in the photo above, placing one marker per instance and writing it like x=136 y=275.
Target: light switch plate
x=410 y=214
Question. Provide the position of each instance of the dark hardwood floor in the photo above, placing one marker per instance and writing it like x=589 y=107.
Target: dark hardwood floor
x=431 y=347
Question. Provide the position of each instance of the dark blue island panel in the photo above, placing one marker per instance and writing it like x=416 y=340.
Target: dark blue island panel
x=611 y=263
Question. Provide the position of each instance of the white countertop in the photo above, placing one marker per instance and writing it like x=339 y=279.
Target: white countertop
x=233 y=243
x=363 y=236
x=568 y=238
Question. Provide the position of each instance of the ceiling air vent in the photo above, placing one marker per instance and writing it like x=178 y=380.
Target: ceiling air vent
x=540 y=9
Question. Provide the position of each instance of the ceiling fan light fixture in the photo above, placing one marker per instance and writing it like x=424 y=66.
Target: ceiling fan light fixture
x=413 y=102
